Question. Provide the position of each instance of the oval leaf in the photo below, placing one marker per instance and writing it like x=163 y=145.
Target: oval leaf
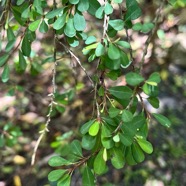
x=56 y=175
x=162 y=119
x=94 y=129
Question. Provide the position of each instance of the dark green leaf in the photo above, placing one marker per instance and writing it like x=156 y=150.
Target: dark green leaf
x=124 y=60
x=154 y=79
x=43 y=27
x=76 y=148
x=123 y=44
x=111 y=64
x=134 y=79
x=73 y=42
x=54 y=13
x=147 y=27
x=3 y=59
x=126 y=137
x=106 y=137
x=150 y=90
x=88 y=142
x=121 y=92
x=56 y=161
x=88 y=178
x=26 y=45
x=60 y=22
x=137 y=153
x=93 y=7
x=10 y=34
x=10 y=45
x=79 y=22
x=5 y=74
x=154 y=101
x=117 y=24
x=22 y=61
x=117 y=159
x=129 y=156
x=56 y=175
x=34 y=25
x=25 y=14
x=162 y=119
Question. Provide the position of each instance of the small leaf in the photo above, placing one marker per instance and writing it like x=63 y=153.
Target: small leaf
x=5 y=74
x=137 y=153
x=127 y=116
x=93 y=7
x=123 y=44
x=26 y=45
x=65 y=180
x=94 y=129
x=137 y=27
x=19 y=2
x=25 y=13
x=56 y=174
x=10 y=34
x=99 y=12
x=145 y=145
x=10 y=45
x=134 y=79
x=60 y=22
x=147 y=27
x=74 y=1
x=125 y=63
x=43 y=27
x=85 y=128
x=34 y=25
x=162 y=119
x=56 y=161
x=69 y=28
x=90 y=40
x=113 y=52
x=154 y=79
x=54 y=13
x=76 y=148
x=100 y=50
x=129 y=156
x=113 y=112
x=3 y=59
x=153 y=101
x=108 y=8
x=22 y=61
x=117 y=24
x=121 y=92
x=79 y=22
x=83 y=5
x=88 y=178
x=116 y=138
x=117 y=159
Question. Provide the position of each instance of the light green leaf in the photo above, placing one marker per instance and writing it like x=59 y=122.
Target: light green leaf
x=19 y=2
x=73 y=41
x=83 y=5
x=123 y=44
x=99 y=12
x=117 y=159
x=121 y=92
x=154 y=79
x=34 y=25
x=54 y=13
x=5 y=74
x=134 y=79
x=56 y=161
x=43 y=27
x=117 y=24
x=118 y=1
x=90 y=40
x=116 y=138
x=56 y=174
x=25 y=14
x=26 y=45
x=94 y=129
x=93 y=7
x=22 y=61
x=137 y=26
x=100 y=50
x=65 y=180
x=147 y=27
x=108 y=8
x=69 y=28
x=145 y=145
x=88 y=178
x=162 y=119
x=60 y=22
x=74 y=2
x=3 y=59
x=113 y=52
x=127 y=116
x=79 y=22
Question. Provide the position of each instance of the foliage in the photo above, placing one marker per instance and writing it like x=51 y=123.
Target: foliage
x=117 y=131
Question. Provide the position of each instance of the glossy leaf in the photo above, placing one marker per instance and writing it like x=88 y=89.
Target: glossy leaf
x=134 y=79
x=150 y=90
x=153 y=101
x=145 y=145
x=74 y=1
x=79 y=22
x=43 y=27
x=93 y=6
x=106 y=137
x=162 y=119
x=90 y=40
x=56 y=174
x=56 y=161
x=34 y=25
x=154 y=79
x=129 y=156
x=88 y=178
x=117 y=24
x=65 y=180
x=5 y=74
x=94 y=129
x=110 y=63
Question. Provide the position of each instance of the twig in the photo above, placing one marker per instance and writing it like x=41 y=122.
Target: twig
x=151 y=35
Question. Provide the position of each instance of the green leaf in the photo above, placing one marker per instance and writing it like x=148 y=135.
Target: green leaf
x=137 y=153
x=127 y=116
x=43 y=27
x=3 y=59
x=147 y=27
x=34 y=25
x=93 y=7
x=69 y=28
x=99 y=164
x=145 y=145
x=133 y=10
x=65 y=180
x=117 y=24
x=88 y=142
x=56 y=174
x=19 y=2
x=150 y=90
x=88 y=178
x=76 y=148
x=113 y=52
x=125 y=63
x=90 y=40
x=85 y=128
x=121 y=92
x=74 y=2
x=56 y=161
x=10 y=34
x=54 y=13
x=100 y=50
x=134 y=79
x=79 y=22
x=83 y=5
x=162 y=119
x=25 y=14
x=108 y=8
x=99 y=12
x=111 y=64
x=113 y=112
x=129 y=156
x=22 y=61
x=153 y=101
x=73 y=42
x=106 y=137
x=37 y=4
x=26 y=45
x=118 y=1
x=137 y=27
x=60 y=22
x=94 y=129
x=123 y=44
x=116 y=138
x=117 y=159
x=5 y=74
x=127 y=136
x=154 y=79
x=10 y=45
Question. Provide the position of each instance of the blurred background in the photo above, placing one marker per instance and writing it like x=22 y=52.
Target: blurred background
x=24 y=106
